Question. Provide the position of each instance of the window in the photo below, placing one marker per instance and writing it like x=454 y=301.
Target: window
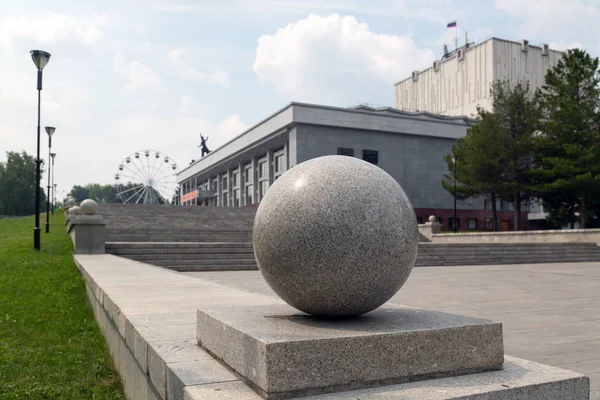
x=249 y=190
x=343 y=151
x=487 y=204
x=503 y=205
x=451 y=223
x=224 y=183
x=236 y=197
x=215 y=183
x=262 y=169
x=371 y=156
x=248 y=173
x=419 y=220
x=262 y=189
x=489 y=224
x=235 y=179
x=472 y=223
x=279 y=163
x=225 y=200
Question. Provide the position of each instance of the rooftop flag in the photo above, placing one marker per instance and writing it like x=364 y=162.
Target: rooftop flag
x=451 y=24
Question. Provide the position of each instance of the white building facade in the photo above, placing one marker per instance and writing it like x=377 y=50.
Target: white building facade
x=462 y=80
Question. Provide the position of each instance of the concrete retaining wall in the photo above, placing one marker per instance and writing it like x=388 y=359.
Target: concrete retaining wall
x=552 y=236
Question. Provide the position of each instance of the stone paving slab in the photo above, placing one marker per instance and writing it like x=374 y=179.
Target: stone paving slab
x=130 y=298
x=550 y=312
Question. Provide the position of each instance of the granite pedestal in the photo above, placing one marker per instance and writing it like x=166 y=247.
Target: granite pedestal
x=283 y=353
x=88 y=233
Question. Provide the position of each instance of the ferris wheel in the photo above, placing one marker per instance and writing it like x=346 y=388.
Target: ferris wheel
x=146 y=177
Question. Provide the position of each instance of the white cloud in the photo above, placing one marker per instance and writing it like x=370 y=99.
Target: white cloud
x=557 y=21
x=145 y=47
x=186 y=71
x=325 y=58
x=49 y=29
x=138 y=75
x=230 y=128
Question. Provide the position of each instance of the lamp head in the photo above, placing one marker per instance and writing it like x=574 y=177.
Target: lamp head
x=50 y=130
x=453 y=159
x=40 y=58
x=52 y=155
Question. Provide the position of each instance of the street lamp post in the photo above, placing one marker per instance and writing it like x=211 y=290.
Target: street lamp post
x=454 y=174
x=52 y=186
x=50 y=131
x=53 y=195
x=40 y=59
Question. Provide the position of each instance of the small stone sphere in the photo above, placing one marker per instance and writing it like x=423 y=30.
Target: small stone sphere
x=75 y=210
x=432 y=218
x=70 y=202
x=88 y=207
x=335 y=236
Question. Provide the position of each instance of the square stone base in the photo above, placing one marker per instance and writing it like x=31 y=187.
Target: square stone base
x=518 y=380
x=283 y=353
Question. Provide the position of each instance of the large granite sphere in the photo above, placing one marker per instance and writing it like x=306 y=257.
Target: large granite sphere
x=88 y=207
x=75 y=210
x=335 y=236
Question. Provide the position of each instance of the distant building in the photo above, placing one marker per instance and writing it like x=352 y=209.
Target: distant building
x=462 y=79
x=409 y=146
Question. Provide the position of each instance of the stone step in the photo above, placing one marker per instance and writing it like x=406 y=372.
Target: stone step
x=207 y=268
x=177 y=245
x=217 y=262
x=192 y=256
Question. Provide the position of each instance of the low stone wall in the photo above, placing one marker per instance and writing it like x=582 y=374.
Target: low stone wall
x=148 y=317
x=551 y=236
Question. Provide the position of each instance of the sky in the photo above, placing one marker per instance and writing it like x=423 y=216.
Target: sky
x=130 y=75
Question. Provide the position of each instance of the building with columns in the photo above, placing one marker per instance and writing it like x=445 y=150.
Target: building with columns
x=409 y=146
x=461 y=80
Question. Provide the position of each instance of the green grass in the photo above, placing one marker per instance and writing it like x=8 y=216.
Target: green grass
x=50 y=344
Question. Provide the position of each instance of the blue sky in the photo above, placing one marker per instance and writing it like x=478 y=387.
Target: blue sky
x=131 y=74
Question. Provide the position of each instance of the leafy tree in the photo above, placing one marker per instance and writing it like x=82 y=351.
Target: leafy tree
x=175 y=199
x=478 y=169
x=496 y=157
x=518 y=114
x=79 y=193
x=568 y=170
x=102 y=193
x=17 y=185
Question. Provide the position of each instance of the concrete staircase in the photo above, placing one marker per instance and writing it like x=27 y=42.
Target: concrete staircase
x=181 y=238
x=220 y=239
x=437 y=254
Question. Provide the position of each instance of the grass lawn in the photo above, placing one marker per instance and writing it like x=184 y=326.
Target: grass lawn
x=50 y=344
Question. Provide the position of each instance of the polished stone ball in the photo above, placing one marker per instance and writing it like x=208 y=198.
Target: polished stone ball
x=76 y=210
x=88 y=207
x=335 y=236
x=432 y=219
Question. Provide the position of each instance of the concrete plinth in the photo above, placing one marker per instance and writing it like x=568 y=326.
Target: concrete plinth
x=88 y=233
x=518 y=380
x=282 y=353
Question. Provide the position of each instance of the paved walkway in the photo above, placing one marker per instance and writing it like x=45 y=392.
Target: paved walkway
x=550 y=312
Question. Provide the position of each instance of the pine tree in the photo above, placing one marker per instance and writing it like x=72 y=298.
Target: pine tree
x=568 y=162
x=518 y=114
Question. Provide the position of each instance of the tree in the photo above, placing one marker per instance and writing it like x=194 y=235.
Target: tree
x=478 y=169
x=102 y=193
x=79 y=193
x=17 y=185
x=518 y=114
x=568 y=162
x=175 y=199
